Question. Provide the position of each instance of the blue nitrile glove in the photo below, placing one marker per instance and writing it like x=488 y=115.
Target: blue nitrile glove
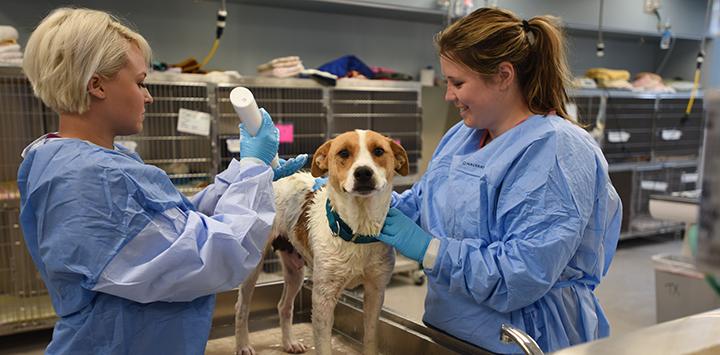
x=407 y=237
x=288 y=167
x=319 y=183
x=264 y=146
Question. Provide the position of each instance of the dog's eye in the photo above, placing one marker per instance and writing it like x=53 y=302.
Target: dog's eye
x=344 y=154
x=378 y=152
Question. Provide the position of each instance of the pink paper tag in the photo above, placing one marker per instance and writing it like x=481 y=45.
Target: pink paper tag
x=286 y=132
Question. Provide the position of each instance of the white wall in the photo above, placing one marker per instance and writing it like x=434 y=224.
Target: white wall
x=178 y=29
x=686 y=16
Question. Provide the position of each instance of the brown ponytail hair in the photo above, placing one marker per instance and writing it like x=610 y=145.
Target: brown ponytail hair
x=536 y=48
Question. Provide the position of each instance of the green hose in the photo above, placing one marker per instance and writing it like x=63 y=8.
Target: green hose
x=693 y=241
x=713 y=283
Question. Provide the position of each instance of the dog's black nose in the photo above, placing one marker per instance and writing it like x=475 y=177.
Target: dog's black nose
x=363 y=174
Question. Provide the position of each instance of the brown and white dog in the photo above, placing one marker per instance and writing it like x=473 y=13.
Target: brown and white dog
x=360 y=167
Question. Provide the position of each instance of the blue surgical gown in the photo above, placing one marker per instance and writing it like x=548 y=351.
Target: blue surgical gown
x=527 y=226
x=131 y=265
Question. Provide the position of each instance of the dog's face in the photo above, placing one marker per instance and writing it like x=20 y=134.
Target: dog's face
x=360 y=162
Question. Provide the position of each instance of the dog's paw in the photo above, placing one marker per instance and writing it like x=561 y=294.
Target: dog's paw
x=294 y=347
x=246 y=350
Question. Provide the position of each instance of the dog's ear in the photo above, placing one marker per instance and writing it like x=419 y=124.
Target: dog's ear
x=402 y=165
x=319 y=161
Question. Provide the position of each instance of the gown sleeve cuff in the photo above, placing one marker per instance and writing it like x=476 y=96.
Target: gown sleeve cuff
x=247 y=162
x=431 y=254
x=394 y=199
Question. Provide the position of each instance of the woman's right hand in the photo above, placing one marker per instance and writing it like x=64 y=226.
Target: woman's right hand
x=264 y=145
x=407 y=237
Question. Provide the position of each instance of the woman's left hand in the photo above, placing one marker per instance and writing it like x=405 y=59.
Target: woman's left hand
x=407 y=237
x=263 y=146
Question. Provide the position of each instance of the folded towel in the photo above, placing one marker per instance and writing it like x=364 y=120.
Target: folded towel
x=650 y=82
x=291 y=59
x=287 y=64
x=584 y=83
x=616 y=84
x=10 y=48
x=8 y=33
x=284 y=62
x=283 y=72
x=607 y=74
x=11 y=55
x=288 y=72
x=267 y=66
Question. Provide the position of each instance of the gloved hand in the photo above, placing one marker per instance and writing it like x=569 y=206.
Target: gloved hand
x=407 y=237
x=264 y=145
x=319 y=183
x=288 y=167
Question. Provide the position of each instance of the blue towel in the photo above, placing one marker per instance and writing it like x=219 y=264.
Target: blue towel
x=343 y=65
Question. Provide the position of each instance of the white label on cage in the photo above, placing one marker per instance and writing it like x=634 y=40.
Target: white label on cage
x=618 y=136
x=687 y=178
x=671 y=134
x=194 y=122
x=233 y=145
x=571 y=109
x=654 y=185
x=130 y=145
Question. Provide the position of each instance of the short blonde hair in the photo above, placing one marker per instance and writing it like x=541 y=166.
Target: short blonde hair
x=69 y=47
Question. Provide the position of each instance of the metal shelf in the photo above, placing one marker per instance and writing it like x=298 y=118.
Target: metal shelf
x=178 y=99
x=277 y=116
x=284 y=101
x=184 y=160
x=376 y=102
x=188 y=176
x=365 y=115
x=355 y=8
x=652 y=227
x=653 y=165
x=376 y=85
x=162 y=138
x=576 y=29
x=629 y=94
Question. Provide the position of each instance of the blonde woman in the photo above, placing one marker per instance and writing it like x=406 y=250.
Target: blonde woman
x=131 y=265
x=515 y=220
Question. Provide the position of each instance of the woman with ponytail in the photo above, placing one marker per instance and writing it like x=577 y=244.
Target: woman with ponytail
x=515 y=220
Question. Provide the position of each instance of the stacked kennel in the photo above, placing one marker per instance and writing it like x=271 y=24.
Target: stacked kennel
x=297 y=106
x=652 y=148
x=185 y=156
x=24 y=300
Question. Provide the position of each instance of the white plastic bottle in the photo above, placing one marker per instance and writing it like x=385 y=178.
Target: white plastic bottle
x=246 y=108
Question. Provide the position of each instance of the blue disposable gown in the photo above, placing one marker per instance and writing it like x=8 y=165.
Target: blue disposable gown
x=131 y=265
x=527 y=225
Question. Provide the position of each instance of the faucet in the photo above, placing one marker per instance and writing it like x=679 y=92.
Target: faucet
x=510 y=334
